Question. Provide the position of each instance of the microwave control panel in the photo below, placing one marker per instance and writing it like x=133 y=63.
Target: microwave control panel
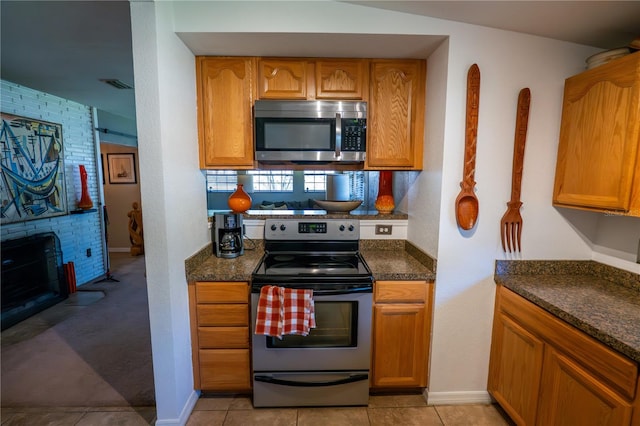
x=354 y=134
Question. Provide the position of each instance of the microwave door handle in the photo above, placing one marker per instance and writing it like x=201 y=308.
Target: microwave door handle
x=338 y=135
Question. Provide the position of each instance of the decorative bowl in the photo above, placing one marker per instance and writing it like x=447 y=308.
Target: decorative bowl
x=338 y=206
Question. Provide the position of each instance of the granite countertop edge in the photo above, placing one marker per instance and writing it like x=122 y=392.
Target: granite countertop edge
x=566 y=289
x=388 y=260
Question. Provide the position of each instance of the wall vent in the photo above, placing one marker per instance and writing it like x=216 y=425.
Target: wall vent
x=116 y=83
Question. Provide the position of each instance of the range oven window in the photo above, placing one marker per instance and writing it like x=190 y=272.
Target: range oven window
x=336 y=327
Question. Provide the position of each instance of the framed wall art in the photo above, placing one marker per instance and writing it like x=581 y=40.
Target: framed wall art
x=32 y=178
x=122 y=168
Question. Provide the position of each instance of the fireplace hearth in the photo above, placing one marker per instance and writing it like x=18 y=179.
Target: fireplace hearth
x=32 y=277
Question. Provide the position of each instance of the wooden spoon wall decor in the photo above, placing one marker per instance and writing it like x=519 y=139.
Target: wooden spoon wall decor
x=467 y=202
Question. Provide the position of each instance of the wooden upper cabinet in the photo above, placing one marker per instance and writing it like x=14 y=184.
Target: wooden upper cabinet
x=395 y=117
x=309 y=79
x=342 y=79
x=598 y=166
x=227 y=88
x=280 y=78
x=225 y=98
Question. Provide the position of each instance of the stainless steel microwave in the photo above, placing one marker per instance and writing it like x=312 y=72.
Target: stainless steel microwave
x=310 y=131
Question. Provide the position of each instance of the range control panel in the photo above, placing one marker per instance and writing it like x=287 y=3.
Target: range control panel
x=312 y=229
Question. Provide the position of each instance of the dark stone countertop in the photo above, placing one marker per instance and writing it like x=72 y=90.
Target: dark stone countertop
x=205 y=266
x=387 y=259
x=316 y=214
x=602 y=301
x=397 y=260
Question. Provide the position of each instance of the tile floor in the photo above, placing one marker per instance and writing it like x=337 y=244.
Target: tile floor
x=388 y=410
x=383 y=410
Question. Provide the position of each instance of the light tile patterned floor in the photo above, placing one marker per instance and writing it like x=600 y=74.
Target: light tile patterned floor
x=388 y=410
x=384 y=410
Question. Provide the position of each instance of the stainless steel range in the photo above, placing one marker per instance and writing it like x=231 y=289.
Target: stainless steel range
x=329 y=366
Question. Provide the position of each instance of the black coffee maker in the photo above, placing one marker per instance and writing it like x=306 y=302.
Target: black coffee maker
x=227 y=235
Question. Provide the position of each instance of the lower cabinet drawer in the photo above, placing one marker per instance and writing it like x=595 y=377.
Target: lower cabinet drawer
x=223 y=315
x=400 y=291
x=223 y=337
x=225 y=369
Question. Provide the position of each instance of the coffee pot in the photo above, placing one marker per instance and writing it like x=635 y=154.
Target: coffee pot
x=227 y=235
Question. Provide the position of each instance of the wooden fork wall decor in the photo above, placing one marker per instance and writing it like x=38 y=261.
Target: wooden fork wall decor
x=511 y=223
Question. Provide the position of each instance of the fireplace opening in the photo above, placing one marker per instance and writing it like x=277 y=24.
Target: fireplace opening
x=32 y=277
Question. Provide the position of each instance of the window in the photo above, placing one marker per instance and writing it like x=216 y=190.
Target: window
x=272 y=180
x=315 y=181
x=282 y=181
x=221 y=180
x=263 y=181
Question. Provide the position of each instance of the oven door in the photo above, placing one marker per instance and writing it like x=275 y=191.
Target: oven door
x=340 y=341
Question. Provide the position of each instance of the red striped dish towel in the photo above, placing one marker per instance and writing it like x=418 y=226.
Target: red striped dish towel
x=284 y=311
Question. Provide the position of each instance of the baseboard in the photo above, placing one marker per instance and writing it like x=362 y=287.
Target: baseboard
x=184 y=415
x=453 y=398
x=119 y=249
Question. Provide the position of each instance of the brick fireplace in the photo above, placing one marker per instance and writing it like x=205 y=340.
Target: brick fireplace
x=32 y=276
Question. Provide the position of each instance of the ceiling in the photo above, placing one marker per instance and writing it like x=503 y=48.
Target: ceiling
x=66 y=48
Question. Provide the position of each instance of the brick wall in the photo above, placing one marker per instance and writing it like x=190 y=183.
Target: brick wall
x=77 y=232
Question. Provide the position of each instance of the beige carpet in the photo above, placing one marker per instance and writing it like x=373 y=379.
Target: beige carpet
x=93 y=350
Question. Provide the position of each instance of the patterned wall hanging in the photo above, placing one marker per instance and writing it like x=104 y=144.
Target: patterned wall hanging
x=32 y=182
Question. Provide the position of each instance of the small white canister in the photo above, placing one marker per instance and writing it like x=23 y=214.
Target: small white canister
x=337 y=187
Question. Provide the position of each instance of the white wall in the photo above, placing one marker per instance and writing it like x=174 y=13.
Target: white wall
x=77 y=232
x=116 y=129
x=464 y=284
x=175 y=212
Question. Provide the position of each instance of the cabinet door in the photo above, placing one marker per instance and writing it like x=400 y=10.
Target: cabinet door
x=284 y=78
x=515 y=368
x=599 y=137
x=342 y=79
x=225 y=125
x=400 y=346
x=635 y=421
x=225 y=369
x=396 y=114
x=572 y=396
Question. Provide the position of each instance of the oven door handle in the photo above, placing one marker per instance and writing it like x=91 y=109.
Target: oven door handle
x=365 y=289
x=351 y=379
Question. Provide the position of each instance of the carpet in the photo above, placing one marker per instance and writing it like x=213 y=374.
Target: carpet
x=92 y=354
